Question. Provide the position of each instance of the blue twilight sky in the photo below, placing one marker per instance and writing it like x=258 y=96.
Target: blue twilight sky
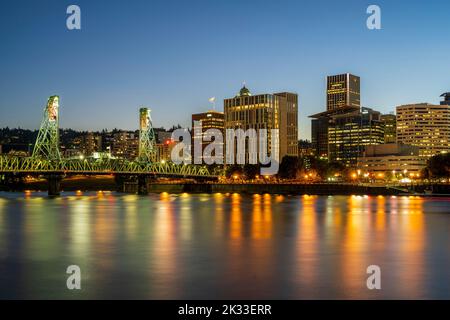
x=174 y=55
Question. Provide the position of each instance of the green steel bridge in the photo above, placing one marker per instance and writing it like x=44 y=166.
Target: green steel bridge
x=47 y=161
x=30 y=165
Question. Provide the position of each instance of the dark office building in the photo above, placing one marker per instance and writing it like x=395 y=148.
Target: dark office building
x=305 y=148
x=319 y=136
x=201 y=123
x=343 y=90
x=343 y=95
x=390 y=128
x=446 y=97
x=349 y=133
x=319 y=129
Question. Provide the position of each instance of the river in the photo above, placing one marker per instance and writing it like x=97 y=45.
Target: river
x=223 y=246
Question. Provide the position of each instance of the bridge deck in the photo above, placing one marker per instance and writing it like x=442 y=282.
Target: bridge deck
x=29 y=165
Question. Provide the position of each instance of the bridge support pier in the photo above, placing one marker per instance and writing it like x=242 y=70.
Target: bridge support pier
x=54 y=184
x=142 y=185
x=120 y=182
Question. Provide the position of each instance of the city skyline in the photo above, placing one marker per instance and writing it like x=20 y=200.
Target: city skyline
x=114 y=64
x=223 y=157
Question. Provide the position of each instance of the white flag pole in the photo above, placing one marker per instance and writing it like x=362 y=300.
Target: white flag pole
x=213 y=101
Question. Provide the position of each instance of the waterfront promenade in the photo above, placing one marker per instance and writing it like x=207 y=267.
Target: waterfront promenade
x=108 y=183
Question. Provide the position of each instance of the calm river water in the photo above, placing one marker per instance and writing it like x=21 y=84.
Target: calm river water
x=222 y=246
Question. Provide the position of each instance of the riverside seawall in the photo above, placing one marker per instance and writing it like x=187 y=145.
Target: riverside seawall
x=311 y=189
x=108 y=183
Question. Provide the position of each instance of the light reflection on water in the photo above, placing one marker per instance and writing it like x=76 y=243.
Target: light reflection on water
x=223 y=246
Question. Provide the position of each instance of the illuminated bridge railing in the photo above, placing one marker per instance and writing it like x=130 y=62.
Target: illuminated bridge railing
x=101 y=166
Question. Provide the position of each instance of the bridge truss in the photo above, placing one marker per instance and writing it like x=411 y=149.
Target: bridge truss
x=30 y=165
x=46 y=158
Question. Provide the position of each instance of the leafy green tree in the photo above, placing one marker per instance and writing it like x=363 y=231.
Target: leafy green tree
x=234 y=169
x=425 y=173
x=289 y=167
x=439 y=166
x=251 y=171
x=335 y=167
x=320 y=166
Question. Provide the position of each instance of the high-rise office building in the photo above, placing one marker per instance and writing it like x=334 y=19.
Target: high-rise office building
x=319 y=136
x=426 y=126
x=125 y=145
x=266 y=111
x=343 y=96
x=164 y=150
x=320 y=124
x=350 y=132
x=162 y=135
x=91 y=143
x=289 y=118
x=305 y=148
x=343 y=90
x=446 y=97
x=201 y=123
x=390 y=128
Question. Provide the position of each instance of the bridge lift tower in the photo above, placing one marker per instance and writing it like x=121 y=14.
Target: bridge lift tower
x=147 y=143
x=147 y=146
x=47 y=142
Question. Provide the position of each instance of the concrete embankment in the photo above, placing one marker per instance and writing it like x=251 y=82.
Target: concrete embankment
x=94 y=183
x=312 y=189
x=83 y=183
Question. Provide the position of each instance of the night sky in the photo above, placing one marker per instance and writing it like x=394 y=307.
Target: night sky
x=172 y=56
